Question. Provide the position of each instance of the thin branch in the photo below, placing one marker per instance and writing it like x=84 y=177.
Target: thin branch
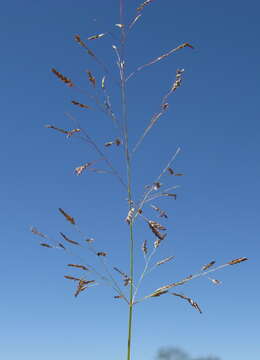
x=158 y=59
x=164 y=289
x=142 y=202
x=114 y=283
x=163 y=107
x=78 y=257
x=144 y=273
x=162 y=194
x=95 y=146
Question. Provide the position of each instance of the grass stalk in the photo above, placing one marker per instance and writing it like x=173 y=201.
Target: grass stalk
x=130 y=315
x=128 y=165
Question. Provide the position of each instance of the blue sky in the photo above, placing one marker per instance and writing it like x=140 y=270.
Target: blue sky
x=213 y=117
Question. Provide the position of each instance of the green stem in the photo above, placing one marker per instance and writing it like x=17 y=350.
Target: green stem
x=130 y=318
x=128 y=166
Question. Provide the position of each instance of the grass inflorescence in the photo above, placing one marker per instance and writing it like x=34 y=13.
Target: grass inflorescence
x=127 y=287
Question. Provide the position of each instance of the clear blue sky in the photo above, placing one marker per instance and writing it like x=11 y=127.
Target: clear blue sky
x=213 y=117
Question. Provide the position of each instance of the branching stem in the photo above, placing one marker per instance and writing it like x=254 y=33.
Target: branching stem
x=128 y=166
x=144 y=273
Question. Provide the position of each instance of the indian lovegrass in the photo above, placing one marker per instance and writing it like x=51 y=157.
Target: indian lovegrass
x=99 y=99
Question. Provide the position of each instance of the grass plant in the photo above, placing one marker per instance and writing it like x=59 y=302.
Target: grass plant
x=98 y=98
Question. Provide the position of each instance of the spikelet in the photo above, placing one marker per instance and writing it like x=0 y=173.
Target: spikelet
x=67 y=216
x=144 y=247
x=69 y=133
x=118 y=297
x=46 y=245
x=166 y=287
x=71 y=278
x=161 y=57
x=178 y=80
x=127 y=281
x=101 y=253
x=91 y=78
x=80 y=105
x=157 y=185
x=103 y=82
x=170 y=195
x=164 y=260
x=57 y=129
x=69 y=240
x=86 y=282
x=141 y=7
x=237 y=261
x=62 y=77
x=126 y=278
x=156 y=243
x=207 y=266
x=165 y=106
x=120 y=25
x=215 y=281
x=97 y=36
x=170 y=170
x=62 y=246
x=159 y=293
x=130 y=215
x=36 y=232
x=78 y=266
x=192 y=302
x=82 y=286
x=156 y=225
x=162 y=213
x=134 y=21
x=155 y=208
x=186 y=45
x=90 y=240
x=116 y=142
x=79 y=170
x=79 y=41
x=163 y=288
x=73 y=131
